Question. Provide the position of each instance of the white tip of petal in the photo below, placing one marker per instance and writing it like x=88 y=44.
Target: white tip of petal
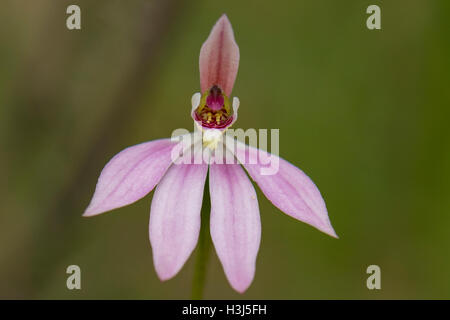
x=236 y=103
x=195 y=100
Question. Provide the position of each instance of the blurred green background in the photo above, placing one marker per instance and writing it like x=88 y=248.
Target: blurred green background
x=364 y=113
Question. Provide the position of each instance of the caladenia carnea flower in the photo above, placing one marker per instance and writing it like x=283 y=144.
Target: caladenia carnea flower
x=175 y=210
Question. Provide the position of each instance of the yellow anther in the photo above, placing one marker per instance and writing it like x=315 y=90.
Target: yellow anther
x=226 y=104
x=202 y=103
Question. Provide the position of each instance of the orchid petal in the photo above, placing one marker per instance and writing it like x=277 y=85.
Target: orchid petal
x=235 y=223
x=219 y=58
x=130 y=175
x=287 y=187
x=175 y=217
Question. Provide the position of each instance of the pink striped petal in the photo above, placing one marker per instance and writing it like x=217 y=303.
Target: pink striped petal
x=235 y=223
x=219 y=58
x=287 y=187
x=175 y=217
x=130 y=175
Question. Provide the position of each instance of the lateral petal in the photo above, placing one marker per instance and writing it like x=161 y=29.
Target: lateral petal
x=286 y=186
x=130 y=175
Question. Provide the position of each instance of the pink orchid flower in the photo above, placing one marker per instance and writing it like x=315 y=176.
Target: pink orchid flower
x=175 y=210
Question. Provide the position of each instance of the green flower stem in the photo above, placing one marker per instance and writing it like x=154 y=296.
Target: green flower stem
x=204 y=245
